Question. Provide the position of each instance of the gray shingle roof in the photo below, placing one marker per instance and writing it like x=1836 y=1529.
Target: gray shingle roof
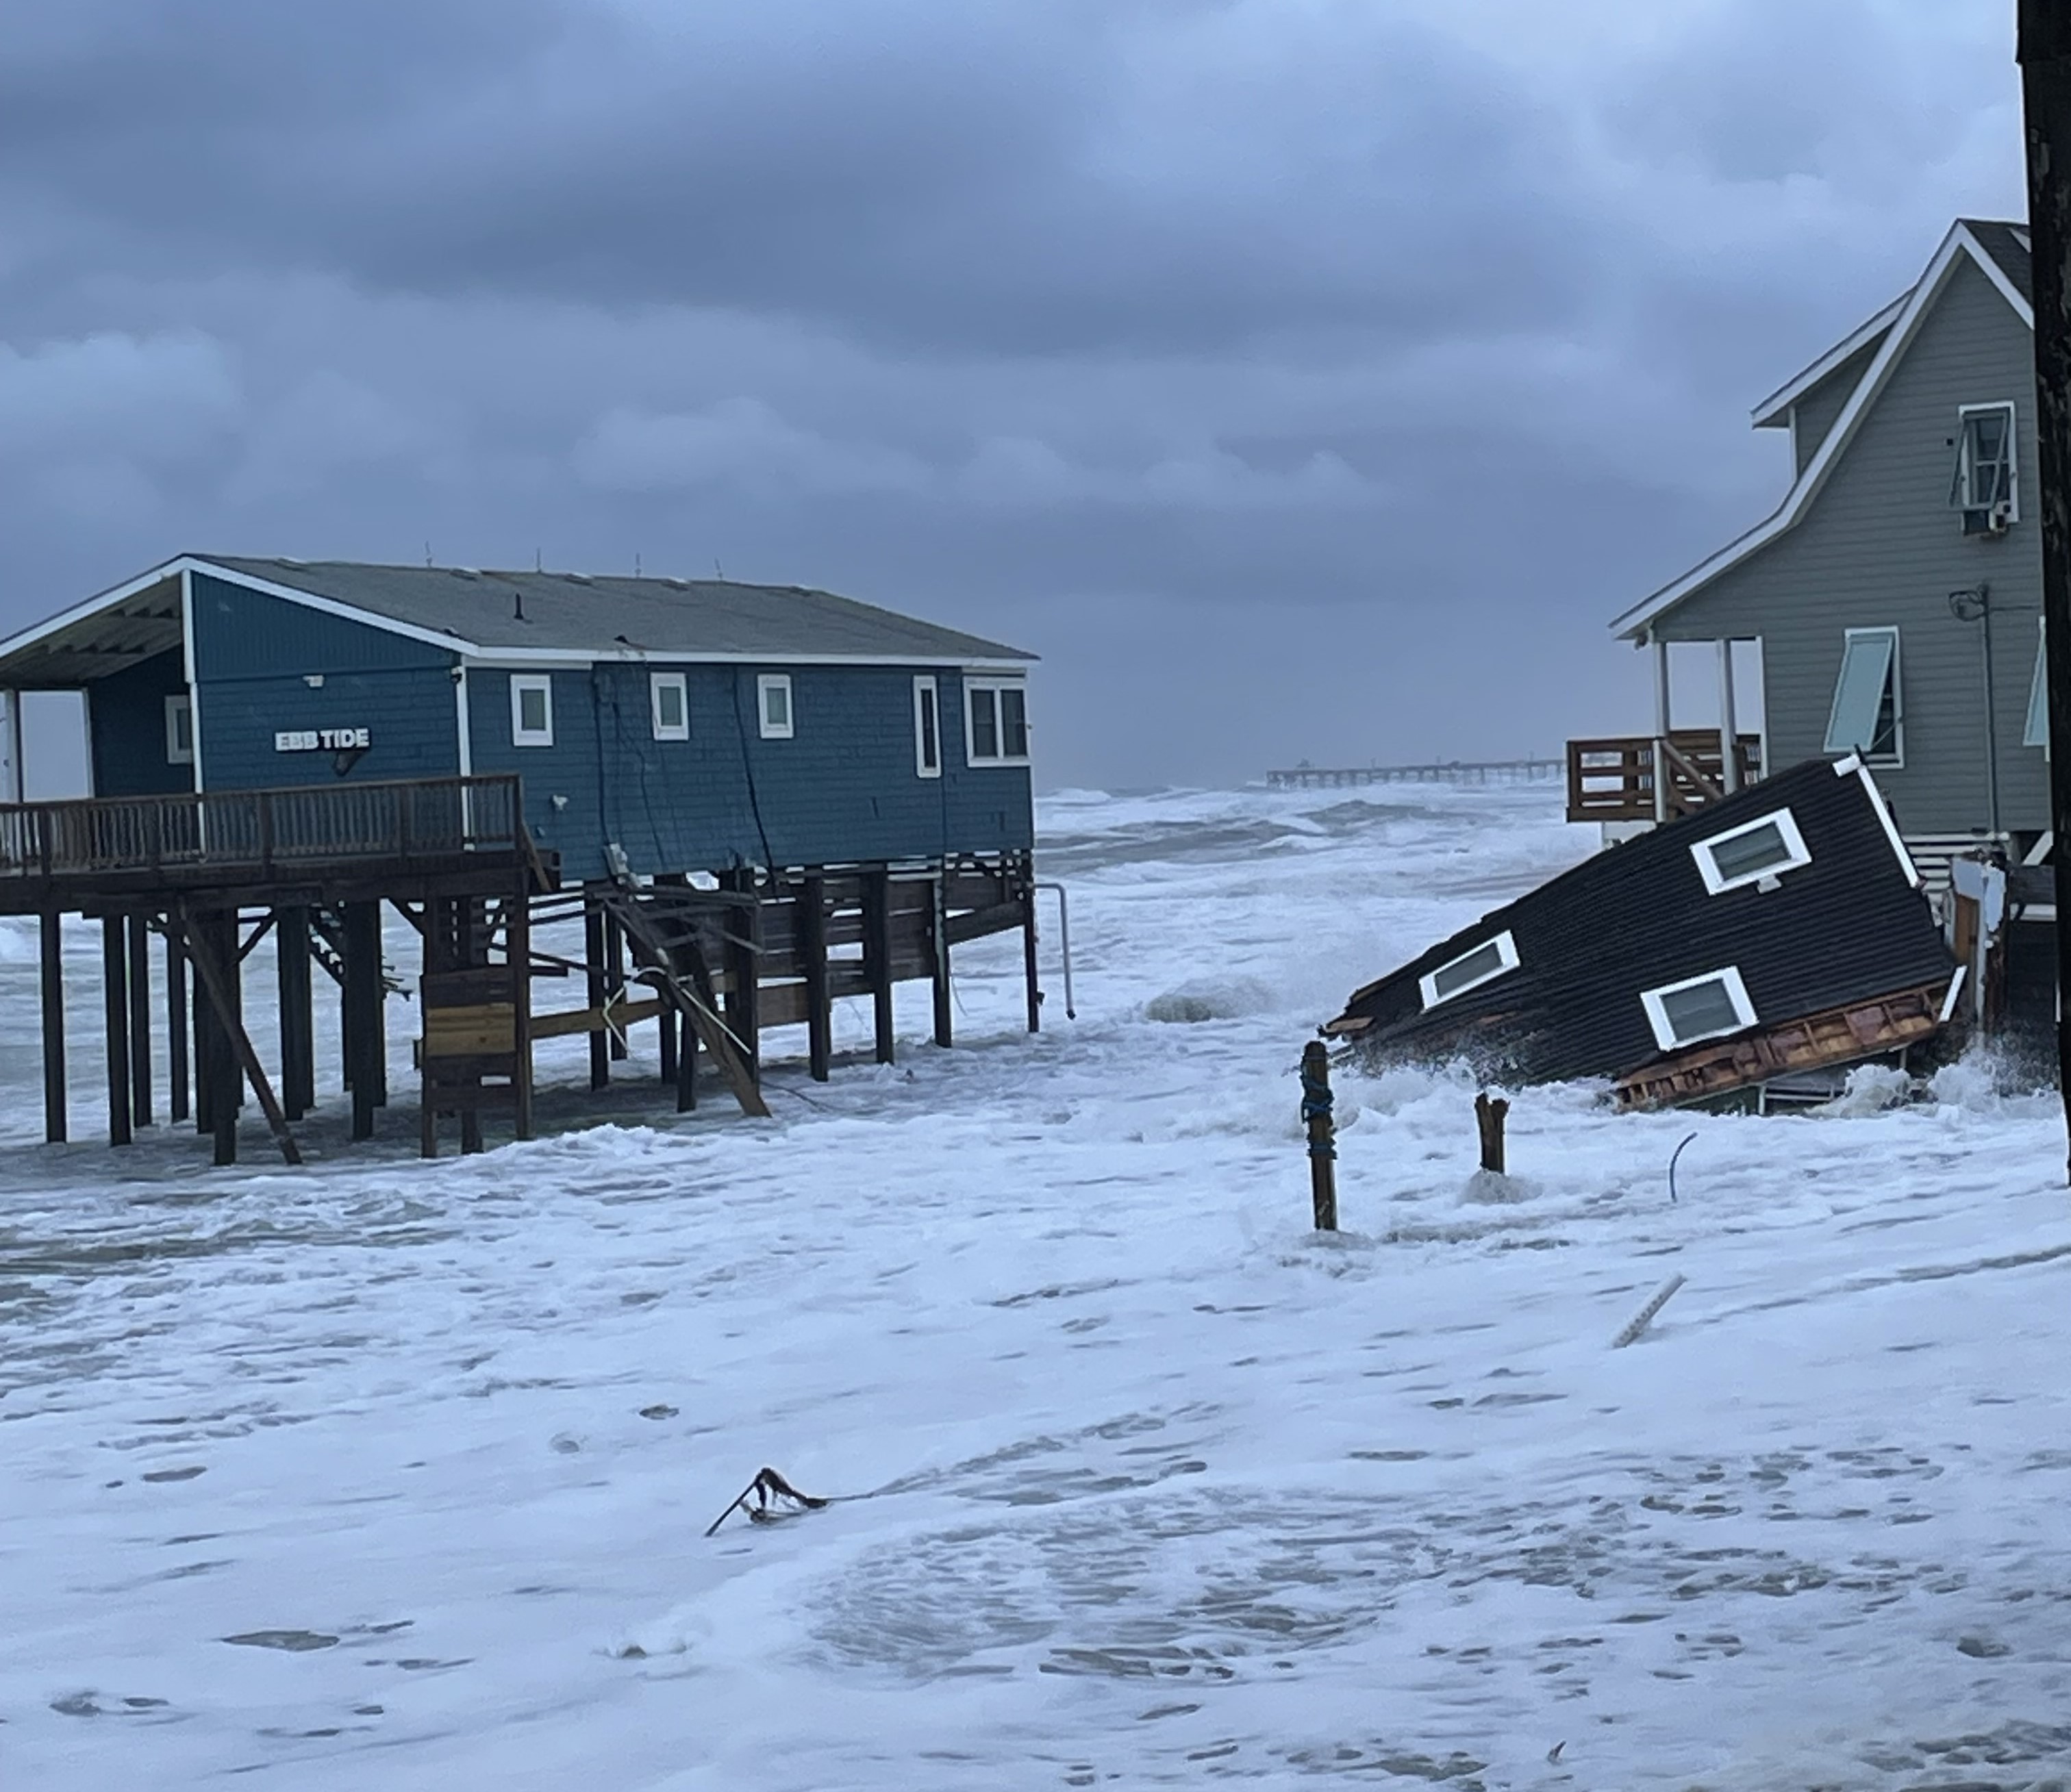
x=690 y=619
x=2006 y=243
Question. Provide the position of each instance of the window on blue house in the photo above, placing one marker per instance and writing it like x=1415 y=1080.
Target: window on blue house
x=997 y=716
x=1867 y=717
x=531 y=709
x=927 y=728
x=179 y=731
x=669 y=698
x=773 y=704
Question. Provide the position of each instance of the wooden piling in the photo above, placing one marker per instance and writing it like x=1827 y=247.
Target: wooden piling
x=812 y=915
x=517 y=950
x=665 y=1044
x=140 y=1019
x=51 y=941
x=1489 y=1117
x=115 y=992
x=366 y=1047
x=176 y=1025
x=599 y=1042
x=1028 y=972
x=298 y=1056
x=877 y=959
x=743 y=958
x=614 y=981
x=1317 y=1102
x=938 y=945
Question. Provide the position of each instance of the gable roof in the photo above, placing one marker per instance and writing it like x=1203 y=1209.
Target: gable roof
x=1998 y=250
x=1850 y=926
x=499 y=616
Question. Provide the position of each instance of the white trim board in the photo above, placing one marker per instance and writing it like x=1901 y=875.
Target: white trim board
x=1771 y=412
x=1635 y=623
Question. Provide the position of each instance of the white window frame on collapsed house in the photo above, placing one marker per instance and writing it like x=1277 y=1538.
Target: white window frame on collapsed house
x=524 y=733
x=1786 y=851
x=994 y=710
x=774 y=710
x=2035 y=732
x=1492 y=958
x=1986 y=484
x=668 y=690
x=1867 y=683
x=927 y=727
x=179 y=729
x=1670 y=1036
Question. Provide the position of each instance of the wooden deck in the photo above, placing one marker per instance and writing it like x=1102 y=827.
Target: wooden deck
x=1612 y=778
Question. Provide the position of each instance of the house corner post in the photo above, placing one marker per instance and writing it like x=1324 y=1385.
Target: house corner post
x=1661 y=725
x=2043 y=52
x=1729 y=732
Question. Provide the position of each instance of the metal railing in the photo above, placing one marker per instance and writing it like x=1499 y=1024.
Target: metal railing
x=259 y=832
x=1613 y=779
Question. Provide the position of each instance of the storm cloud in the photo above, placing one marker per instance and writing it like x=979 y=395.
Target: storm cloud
x=1299 y=378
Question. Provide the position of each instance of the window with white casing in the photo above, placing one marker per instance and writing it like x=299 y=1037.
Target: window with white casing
x=2035 y=733
x=179 y=730
x=927 y=728
x=669 y=704
x=773 y=705
x=531 y=709
x=1867 y=717
x=1985 y=487
x=1705 y=1007
x=996 y=714
x=1483 y=964
x=1755 y=852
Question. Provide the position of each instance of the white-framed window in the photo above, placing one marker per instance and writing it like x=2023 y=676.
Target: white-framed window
x=179 y=730
x=927 y=728
x=2035 y=732
x=773 y=705
x=1986 y=487
x=1868 y=716
x=1706 y=1007
x=531 y=709
x=996 y=722
x=1486 y=961
x=1755 y=852
x=669 y=705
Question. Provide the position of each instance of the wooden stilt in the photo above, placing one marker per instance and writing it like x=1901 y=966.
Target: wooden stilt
x=614 y=981
x=599 y=1043
x=299 y=1057
x=365 y=1046
x=665 y=1024
x=115 y=993
x=812 y=952
x=518 y=949
x=1028 y=972
x=140 y=1019
x=54 y=1042
x=176 y=1023
x=743 y=954
x=686 y=1070
x=218 y=973
x=436 y=954
x=938 y=942
x=877 y=958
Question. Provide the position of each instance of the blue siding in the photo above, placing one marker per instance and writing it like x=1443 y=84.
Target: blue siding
x=253 y=657
x=126 y=714
x=843 y=788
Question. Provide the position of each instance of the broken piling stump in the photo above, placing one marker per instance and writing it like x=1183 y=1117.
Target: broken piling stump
x=1489 y=1117
x=1317 y=1104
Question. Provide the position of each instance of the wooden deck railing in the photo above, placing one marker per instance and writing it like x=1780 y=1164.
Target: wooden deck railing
x=1613 y=779
x=259 y=833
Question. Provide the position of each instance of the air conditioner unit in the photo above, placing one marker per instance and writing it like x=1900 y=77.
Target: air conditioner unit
x=1999 y=519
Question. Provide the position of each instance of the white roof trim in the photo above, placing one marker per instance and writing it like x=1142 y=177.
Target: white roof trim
x=1769 y=413
x=469 y=651
x=1634 y=623
x=1883 y=814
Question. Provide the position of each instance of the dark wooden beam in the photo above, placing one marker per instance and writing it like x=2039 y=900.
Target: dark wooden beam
x=938 y=942
x=298 y=1048
x=1029 y=980
x=51 y=941
x=176 y=1023
x=614 y=982
x=877 y=959
x=366 y=1046
x=115 y=994
x=518 y=949
x=593 y=949
x=813 y=951
x=218 y=971
x=140 y=1019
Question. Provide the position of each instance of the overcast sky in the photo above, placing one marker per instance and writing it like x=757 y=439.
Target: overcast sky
x=1299 y=378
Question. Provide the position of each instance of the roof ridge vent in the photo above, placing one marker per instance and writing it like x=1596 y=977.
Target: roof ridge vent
x=464 y=572
x=681 y=585
x=578 y=578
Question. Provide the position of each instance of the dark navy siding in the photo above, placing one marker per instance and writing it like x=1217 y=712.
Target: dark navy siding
x=254 y=655
x=844 y=788
x=126 y=713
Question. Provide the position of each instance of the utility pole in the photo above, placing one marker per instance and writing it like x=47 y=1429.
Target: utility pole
x=2043 y=51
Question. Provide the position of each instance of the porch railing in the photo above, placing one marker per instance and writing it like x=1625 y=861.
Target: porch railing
x=1613 y=779
x=261 y=832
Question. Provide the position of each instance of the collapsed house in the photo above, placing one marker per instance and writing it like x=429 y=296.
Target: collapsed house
x=1779 y=931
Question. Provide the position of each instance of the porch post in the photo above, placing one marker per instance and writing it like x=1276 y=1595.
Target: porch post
x=1660 y=728
x=1729 y=733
